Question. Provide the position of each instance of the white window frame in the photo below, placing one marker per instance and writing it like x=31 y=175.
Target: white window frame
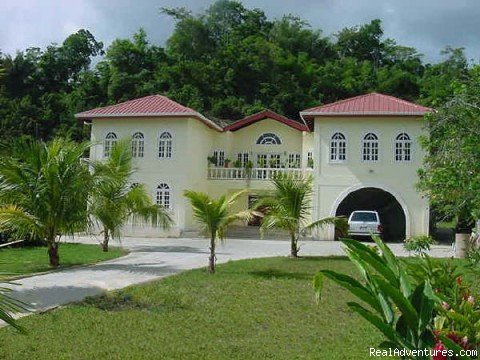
x=109 y=142
x=265 y=157
x=165 y=150
x=243 y=157
x=337 y=147
x=138 y=145
x=278 y=161
x=294 y=160
x=370 y=151
x=309 y=156
x=400 y=147
x=164 y=191
x=269 y=135
x=219 y=155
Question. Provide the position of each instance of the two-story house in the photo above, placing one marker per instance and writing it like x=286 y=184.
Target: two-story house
x=363 y=153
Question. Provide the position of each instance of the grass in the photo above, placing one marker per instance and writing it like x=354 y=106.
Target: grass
x=250 y=309
x=29 y=260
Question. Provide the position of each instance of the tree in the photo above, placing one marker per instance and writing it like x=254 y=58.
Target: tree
x=44 y=189
x=215 y=216
x=115 y=199
x=9 y=305
x=450 y=176
x=289 y=208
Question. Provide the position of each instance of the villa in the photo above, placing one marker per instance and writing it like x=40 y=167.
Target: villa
x=362 y=152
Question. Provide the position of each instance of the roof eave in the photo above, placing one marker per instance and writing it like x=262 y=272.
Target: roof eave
x=366 y=113
x=208 y=122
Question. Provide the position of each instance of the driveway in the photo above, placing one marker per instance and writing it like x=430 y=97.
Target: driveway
x=151 y=259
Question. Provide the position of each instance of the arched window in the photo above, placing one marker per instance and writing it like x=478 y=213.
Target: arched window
x=109 y=144
x=163 y=197
x=138 y=145
x=338 y=148
x=403 y=147
x=370 y=147
x=165 y=145
x=268 y=139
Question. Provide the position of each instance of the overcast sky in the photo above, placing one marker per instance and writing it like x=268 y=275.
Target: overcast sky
x=428 y=25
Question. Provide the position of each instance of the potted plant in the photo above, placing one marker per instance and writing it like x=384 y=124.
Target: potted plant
x=227 y=162
x=248 y=168
x=212 y=160
x=237 y=164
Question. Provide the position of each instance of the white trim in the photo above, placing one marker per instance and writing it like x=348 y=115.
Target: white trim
x=379 y=144
x=144 y=143
x=337 y=162
x=172 y=134
x=184 y=114
x=351 y=189
x=394 y=147
x=268 y=132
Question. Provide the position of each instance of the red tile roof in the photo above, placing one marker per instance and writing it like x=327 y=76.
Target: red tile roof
x=148 y=106
x=370 y=104
x=265 y=114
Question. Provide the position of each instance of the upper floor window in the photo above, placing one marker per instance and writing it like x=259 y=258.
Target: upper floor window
x=294 y=160
x=163 y=196
x=338 y=148
x=109 y=144
x=268 y=139
x=165 y=145
x=219 y=156
x=370 y=147
x=243 y=158
x=138 y=145
x=403 y=147
x=310 y=159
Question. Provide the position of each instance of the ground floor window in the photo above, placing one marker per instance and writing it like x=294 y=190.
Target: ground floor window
x=294 y=160
x=163 y=196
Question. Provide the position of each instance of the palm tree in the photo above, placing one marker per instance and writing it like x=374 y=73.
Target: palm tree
x=9 y=305
x=215 y=216
x=115 y=200
x=289 y=208
x=44 y=191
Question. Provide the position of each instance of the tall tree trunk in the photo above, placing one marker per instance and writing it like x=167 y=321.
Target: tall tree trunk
x=53 y=256
x=105 y=240
x=211 y=259
x=293 y=246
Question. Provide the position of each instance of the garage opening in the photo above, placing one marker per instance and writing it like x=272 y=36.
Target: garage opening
x=392 y=216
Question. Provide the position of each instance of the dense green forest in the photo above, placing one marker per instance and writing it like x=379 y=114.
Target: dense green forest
x=227 y=62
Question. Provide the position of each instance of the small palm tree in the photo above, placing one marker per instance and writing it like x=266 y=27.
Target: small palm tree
x=44 y=190
x=9 y=305
x=289 y=208
x=215 y=216
x=115 y=200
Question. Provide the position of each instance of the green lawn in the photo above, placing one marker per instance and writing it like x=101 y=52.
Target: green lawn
x=28 y=260
x=251 y=309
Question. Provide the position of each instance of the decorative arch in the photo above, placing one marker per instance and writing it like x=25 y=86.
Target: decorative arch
x=348 y=191
x=269 y=139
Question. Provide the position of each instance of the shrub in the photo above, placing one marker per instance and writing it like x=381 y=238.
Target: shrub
x=419 y=244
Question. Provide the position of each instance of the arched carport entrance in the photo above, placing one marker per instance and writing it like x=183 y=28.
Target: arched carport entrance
x=391 y=209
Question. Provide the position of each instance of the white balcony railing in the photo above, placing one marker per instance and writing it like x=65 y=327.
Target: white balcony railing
x=219 y=173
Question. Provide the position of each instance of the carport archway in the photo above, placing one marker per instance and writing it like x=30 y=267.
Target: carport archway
x=391 y=212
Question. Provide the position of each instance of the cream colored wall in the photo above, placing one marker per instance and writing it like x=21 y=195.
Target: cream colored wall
x=182 y=171
x=334 y=181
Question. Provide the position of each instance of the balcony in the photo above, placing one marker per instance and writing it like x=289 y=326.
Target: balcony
x=222 y=173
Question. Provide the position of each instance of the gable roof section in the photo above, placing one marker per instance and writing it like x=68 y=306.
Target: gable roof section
x=265 y=114
x=373 y=104
x=148 y=106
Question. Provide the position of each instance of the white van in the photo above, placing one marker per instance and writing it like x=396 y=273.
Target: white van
x=364 y=223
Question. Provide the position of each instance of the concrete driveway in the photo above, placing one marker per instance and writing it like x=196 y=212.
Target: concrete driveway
x=151 y=259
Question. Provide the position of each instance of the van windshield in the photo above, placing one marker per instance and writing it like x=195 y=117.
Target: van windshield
x=364 y=216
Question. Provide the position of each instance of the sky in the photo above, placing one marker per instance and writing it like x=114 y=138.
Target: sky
x=427 y=25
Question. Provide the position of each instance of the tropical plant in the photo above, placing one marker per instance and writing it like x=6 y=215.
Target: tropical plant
x=419 y=244
x=115 y=200
x=402 y=310
x=289 y=208
x=215 y=216
x=44 y=190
